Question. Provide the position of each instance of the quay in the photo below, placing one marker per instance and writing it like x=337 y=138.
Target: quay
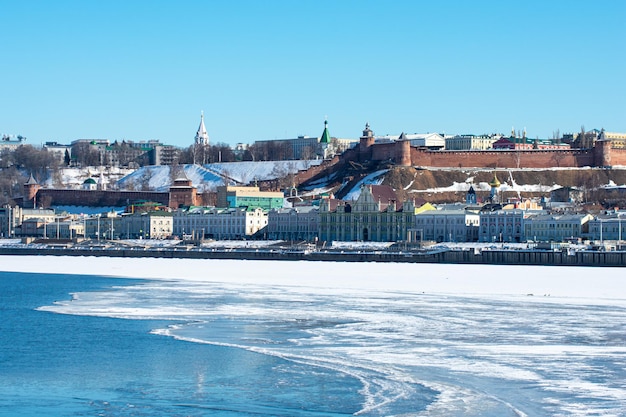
x=498 y=256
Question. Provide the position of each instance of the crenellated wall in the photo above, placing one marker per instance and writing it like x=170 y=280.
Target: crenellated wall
x=503 y=158
x=383 y=151
x=617 y=157
x=99 y=198
x=401 y=153
x=398 y=152
x=53 y=196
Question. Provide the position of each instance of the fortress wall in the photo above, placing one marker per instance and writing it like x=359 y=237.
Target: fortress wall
x=384 y=151
x=502 y=159
x=618 y=157
x=52 y=196
x=325 y=167
x=207 y=198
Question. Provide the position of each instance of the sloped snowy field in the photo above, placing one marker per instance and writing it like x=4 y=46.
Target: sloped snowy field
x=208 y=177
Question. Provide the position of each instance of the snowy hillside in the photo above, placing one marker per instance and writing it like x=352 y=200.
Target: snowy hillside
x=375 y=178
x=432 y=181
x=159 y=178
x=248 y=172
x=75 y=177
x=208 y=177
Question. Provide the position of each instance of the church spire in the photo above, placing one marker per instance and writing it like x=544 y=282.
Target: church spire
x=325 y=138
x=202 y=137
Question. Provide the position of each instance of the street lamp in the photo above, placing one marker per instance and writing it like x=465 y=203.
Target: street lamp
x=600 y=220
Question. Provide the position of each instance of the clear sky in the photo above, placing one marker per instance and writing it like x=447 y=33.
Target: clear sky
x=142 y=70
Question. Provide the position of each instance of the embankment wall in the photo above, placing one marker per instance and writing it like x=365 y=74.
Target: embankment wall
x=494 y=257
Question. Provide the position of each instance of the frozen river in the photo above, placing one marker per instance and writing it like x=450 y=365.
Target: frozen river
x=371 y=339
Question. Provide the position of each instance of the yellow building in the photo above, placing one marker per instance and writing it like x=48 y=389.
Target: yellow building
x=618 y=140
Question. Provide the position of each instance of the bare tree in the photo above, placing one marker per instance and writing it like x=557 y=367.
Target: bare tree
x=186 y=155
x=200 y=153
x=558 y=157
x=221 y=152
x=39 y=162
x=584 y=140
x=307 y=153
x=556 y=136
x=11 y=183
x=517 y=157
x=57 y=178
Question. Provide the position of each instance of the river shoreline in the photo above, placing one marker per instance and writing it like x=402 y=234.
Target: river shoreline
x=450 y=256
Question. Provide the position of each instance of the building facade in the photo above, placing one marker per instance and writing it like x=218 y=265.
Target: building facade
x=608 y=226
x=470 y=142
x=251 y=197
x=293 y=224
x=7 y=142
x=448 y=225
x=375 y=216
x=556 y=227
x=64 y=229
x=9 y=220
x=147 y=225
x=303 y=147
x=219 y=223
x=501 y=226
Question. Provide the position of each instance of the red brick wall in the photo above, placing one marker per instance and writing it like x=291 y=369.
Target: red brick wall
x=383 y=151
x=618 y=157
x=324 y=167
x=403 y=153
x=50 y=196
x=503 y=158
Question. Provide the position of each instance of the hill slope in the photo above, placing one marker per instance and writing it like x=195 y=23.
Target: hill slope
x=451 y=185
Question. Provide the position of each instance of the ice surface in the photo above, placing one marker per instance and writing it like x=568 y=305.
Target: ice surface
x=473 y=334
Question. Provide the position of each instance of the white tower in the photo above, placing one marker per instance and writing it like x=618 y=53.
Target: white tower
x=202 y=137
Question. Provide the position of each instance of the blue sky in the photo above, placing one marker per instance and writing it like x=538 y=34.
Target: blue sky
x=142 y=70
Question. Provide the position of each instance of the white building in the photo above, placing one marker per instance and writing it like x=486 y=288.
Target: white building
x=608 y=226
x=58 y=150
x=63 y=229
x=501 y=226
x=9 y=220
x=555 y=227
x=428 y=140
x=470 y=142
x=151 y=225
x=448 y=225
x=6 y=142
x=12 y=219
x=295 y=224
x=222 y=223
